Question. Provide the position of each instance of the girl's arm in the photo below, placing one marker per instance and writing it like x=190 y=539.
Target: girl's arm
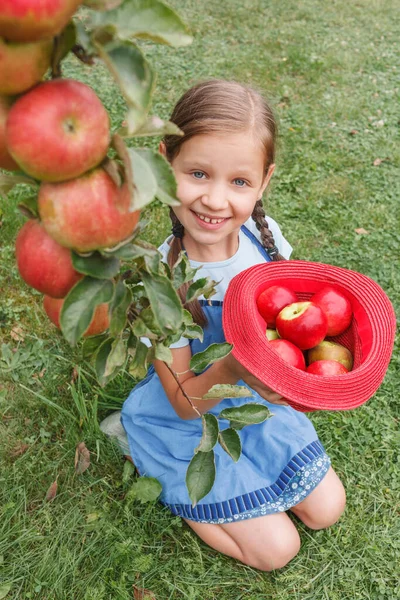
x=225 y=371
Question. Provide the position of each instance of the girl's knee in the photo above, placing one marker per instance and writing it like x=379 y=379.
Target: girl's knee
x=330 y=510
x=274 y=553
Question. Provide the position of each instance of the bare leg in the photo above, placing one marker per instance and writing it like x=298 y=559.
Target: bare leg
x=324 y=505
x=266 y=543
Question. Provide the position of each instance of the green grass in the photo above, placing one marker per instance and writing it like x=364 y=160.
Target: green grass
x=329 y=69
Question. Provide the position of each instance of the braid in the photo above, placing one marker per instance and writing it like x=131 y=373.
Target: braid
x=176 y=247
x=267 y=239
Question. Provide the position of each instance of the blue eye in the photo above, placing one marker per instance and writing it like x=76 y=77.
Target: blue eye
x=240 y=182
x=198 y=174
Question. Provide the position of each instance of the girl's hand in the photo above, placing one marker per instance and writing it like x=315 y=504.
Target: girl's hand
x=252 y=381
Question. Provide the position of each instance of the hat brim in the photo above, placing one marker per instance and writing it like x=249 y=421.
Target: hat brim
x=370 y=336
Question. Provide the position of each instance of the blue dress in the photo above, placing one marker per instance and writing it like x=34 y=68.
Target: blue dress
x=282 y=459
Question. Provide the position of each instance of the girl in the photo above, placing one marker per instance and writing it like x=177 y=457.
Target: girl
x=223 y=163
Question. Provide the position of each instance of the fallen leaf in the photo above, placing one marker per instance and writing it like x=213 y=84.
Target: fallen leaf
x=142 y=594
x=52 y=491
x=377 y=162
x=82 y=458
x=361 y=231
x=4 y=589
x=19 y=450
x=40 y=374
x=17 y=333
x=74 y=375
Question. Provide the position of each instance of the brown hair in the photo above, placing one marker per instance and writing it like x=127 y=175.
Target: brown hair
x=217 y=106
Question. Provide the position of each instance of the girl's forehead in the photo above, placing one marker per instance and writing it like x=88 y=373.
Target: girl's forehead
x=243 y=145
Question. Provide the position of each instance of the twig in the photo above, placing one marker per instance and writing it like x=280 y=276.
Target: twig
x=83 y=56
x=174 y=375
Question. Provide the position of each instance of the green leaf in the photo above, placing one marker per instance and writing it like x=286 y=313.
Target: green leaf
x=193 y=332
x=147 y=19
x=164 y=302
x=119 y=308
x=132 y=251
x=210 y=433
x=201 y=287
x=127 y=471
x=63 y=43
x=163 y=353
x=29 y=207
x=80 y=304
x=182 y=271
x=116 y=357
x=227 y=391
x=138 y=365
x=251 y=413
x=102 y=4
x=133 y=75
x=100 y=362
x=145 y=325
x=145 y=489
x=83 y=39
x=231 y=443
x=5 y=588
x=152 y=126
x=164 y=175
x=91 y=344
x=7 y=182
x=200 y=475
x=212 y=354
x=96 y=265
x=144 y=180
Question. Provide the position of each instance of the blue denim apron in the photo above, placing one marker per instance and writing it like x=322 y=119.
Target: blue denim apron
x=282 y=459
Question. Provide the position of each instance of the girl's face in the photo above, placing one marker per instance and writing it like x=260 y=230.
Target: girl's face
x=220 y=177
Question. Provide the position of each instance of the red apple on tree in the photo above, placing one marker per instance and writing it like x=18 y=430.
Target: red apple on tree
x=43 y=264
x=29 y=20
x=99 y=323
x=87 y=213
x=58 y=130
x=271 y=301
x=289 y=352
x=331 y=351
x=326 y=368
x=336 y=307
x=6 y=160
x=302 y=323
x=23 y=65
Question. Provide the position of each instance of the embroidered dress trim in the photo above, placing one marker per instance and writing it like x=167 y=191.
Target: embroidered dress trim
x=300 y=476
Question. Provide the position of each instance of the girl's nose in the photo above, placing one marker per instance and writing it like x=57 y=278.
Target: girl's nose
x=215 y=198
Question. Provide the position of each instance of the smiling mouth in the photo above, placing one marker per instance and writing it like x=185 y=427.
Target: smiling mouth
x=213 y=221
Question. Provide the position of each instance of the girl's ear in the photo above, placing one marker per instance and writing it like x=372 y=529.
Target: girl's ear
x=268 y=176
x=162 y=149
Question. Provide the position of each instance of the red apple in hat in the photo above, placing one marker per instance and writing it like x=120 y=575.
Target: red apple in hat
x=326 y=368
x=58 y=130
x=271 y=301
x=43 y=264
x=99 y=323
x=6 y=160
x=271 y=334
x=302 y=323
x=30 y=20
x=289 y=352
x=336 y=307
x=87 y=213
x=23 y=65
x=327 y=350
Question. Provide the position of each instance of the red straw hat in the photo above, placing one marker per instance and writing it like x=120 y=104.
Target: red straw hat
x=370 y=336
